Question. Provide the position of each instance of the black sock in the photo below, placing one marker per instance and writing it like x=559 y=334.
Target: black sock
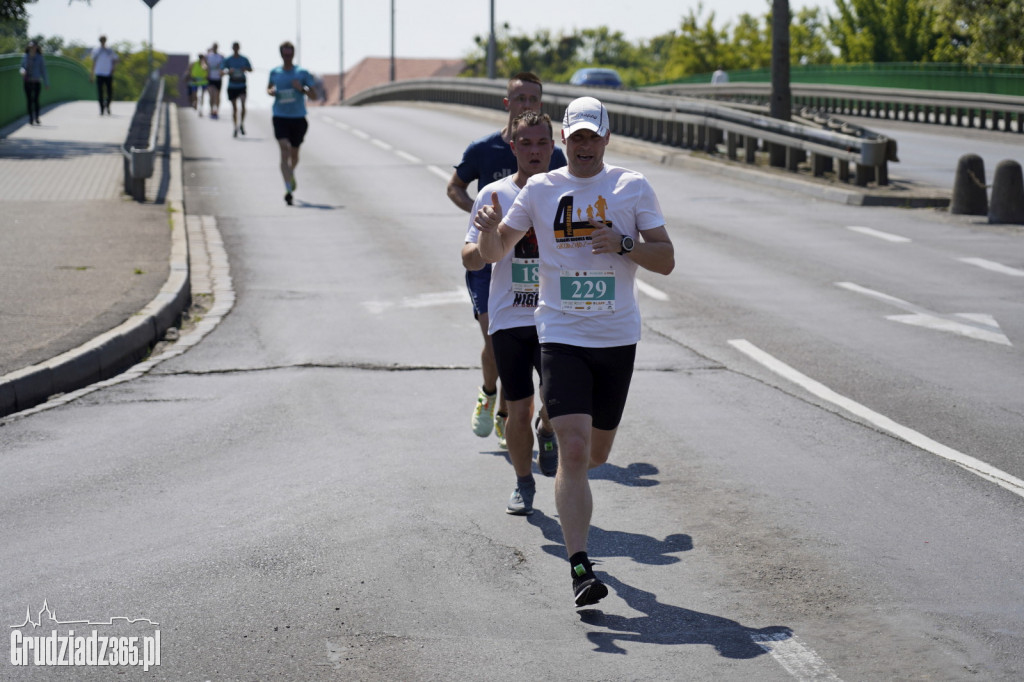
x=579 y=559
x=525 y=481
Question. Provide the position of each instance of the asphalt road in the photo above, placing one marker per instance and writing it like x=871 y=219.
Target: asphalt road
x=300 y=496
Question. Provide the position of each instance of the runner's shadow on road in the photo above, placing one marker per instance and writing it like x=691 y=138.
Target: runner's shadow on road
x=299 y=203
x=673 y=625
x=630 y=475
x=642 y=549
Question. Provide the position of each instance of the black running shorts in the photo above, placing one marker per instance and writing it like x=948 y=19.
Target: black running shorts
x=291 y=129
x=517 y=353
x=592 y=381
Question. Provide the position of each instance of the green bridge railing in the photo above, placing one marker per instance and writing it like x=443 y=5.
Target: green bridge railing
x=69 y=80
x=993 y=79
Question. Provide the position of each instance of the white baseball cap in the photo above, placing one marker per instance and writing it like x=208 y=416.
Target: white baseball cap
x=585 y=113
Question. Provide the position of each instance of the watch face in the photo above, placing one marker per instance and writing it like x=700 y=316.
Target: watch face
x=627 y=243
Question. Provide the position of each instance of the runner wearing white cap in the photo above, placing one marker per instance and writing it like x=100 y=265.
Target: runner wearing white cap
x=595 y=225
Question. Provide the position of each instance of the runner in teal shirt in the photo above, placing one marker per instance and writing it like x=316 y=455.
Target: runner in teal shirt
x=290 y=88
x=290 y=85
x=235 y=66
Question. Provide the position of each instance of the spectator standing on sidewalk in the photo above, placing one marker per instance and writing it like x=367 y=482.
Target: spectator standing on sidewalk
x=34 y=77
x=103 y=61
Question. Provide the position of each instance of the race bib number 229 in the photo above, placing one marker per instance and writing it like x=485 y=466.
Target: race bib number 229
x=589 y=290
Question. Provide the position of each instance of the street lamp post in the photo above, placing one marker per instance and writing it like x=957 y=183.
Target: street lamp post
x=392 y=40
x=492 y=47
x=151 y=3
x=341 y=51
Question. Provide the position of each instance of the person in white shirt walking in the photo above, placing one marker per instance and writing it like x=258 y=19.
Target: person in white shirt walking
x=103 y=61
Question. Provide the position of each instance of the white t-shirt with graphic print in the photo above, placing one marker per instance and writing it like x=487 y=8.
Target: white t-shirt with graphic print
x=586 y=299
x=514 y=279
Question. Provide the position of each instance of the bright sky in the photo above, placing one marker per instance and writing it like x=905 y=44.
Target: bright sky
x=423 y=28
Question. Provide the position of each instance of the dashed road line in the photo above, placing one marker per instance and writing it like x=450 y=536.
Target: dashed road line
x=656 y=294
x=887 y=236
x=439 y=172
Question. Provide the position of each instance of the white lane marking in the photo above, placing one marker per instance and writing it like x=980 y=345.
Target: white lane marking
x=426 y=300
x=973 y=331
x=439 y=172
x=798 y=660
x=979 y=326
x=408 y=157
x=889 y=237
x=338 y=124
x=975 y=466
x=993 y=266
x=850 y=286
x=656 y=294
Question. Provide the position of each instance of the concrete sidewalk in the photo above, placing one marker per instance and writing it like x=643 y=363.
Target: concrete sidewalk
x=89 y=278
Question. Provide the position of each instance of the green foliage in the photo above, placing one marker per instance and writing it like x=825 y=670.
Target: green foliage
x=855 y=32
x=14 y=10
x=884 y=30
x=699 y=47
x=980 y=31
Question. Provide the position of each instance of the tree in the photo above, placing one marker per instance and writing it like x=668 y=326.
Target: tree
x=14 y=10
x=750 y=46
x=699 y=47
x=884 y=30
x=808 y=38
x=980 y=31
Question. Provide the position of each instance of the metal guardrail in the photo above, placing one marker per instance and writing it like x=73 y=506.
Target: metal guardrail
x=972 y=110
x=681 y=122
x=139 y=149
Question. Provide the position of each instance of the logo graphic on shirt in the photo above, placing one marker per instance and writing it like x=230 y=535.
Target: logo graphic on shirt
x=572 y=223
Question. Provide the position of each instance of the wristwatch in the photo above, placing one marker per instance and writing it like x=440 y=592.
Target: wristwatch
x=626 y=245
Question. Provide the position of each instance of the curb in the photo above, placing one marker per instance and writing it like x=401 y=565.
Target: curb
x=113 y=352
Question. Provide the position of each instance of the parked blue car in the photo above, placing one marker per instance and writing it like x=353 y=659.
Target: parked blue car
x=601 y=78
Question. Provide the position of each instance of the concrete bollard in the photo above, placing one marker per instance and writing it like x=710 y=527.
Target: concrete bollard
x=969 y=194
x=1007 y=194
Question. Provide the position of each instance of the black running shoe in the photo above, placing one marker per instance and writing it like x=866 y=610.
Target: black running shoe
x=547 y=451
x=585 y=585
x=288 y=198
